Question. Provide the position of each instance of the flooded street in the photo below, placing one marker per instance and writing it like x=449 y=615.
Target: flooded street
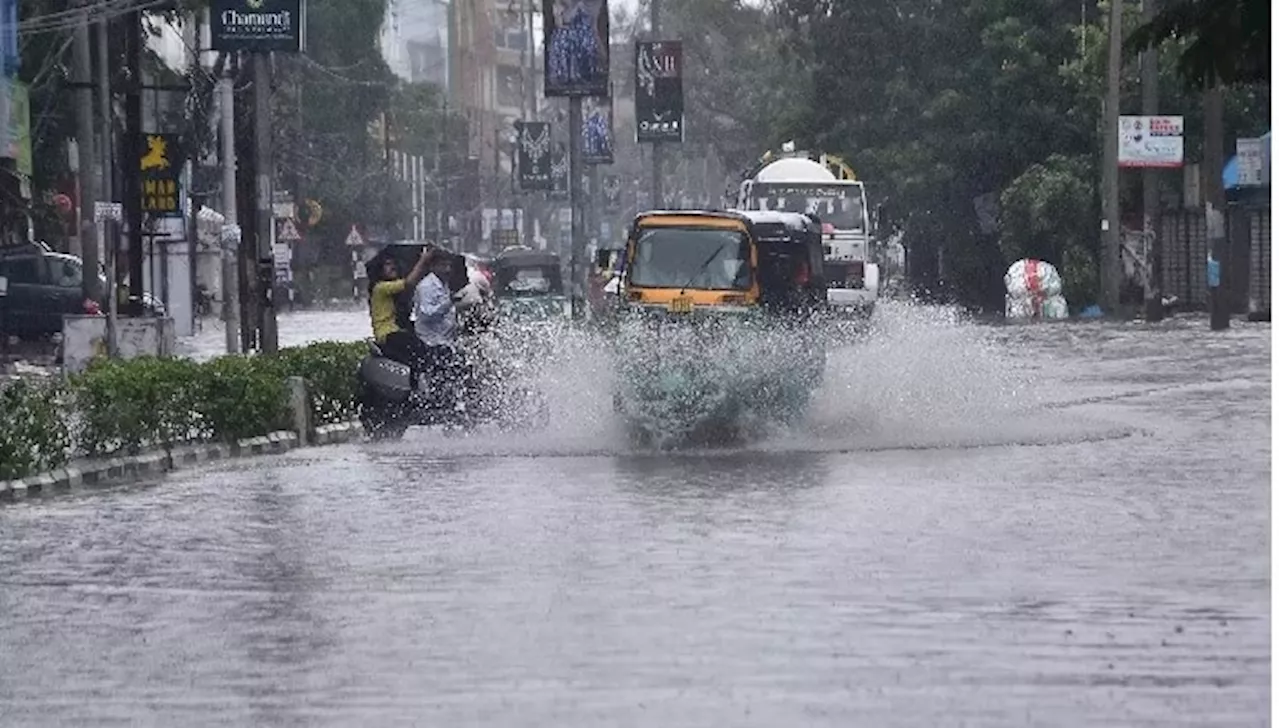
x=1053 y=525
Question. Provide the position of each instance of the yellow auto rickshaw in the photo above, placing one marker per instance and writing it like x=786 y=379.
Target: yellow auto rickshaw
x=691 y=262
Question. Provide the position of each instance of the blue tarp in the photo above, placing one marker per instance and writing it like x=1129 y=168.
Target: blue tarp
x=1231 y=172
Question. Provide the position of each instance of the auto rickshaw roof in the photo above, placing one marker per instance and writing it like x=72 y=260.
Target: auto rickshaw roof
x=790 y=220
x=516 y=258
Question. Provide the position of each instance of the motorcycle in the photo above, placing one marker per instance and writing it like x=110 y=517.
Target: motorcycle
x=482 y=389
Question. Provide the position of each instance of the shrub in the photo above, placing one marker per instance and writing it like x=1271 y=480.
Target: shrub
x=129 y=405
x=241 y=396
x=329 y=369
x=33 y=432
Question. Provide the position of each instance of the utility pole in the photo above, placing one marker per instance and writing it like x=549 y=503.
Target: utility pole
x=655 y=30
x=132 y=158
x=1109 y=265
x=231 y=236
x=577 y=241
x=88 y=158
x=531 y=202
x=1218 y=275
x=498 y=208
x=268 y=340
x=111 y=242
x=1151 y=222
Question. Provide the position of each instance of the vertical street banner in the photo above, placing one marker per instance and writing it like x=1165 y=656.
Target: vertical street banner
x=161 y=167
x=560 y=173
x=533 y=159
x=597 y=130
x=9 y=37
x=611 y=186
x=659 y=92
x=575 y=47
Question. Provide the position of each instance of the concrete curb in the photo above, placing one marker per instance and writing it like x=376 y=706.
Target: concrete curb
x=124 y=470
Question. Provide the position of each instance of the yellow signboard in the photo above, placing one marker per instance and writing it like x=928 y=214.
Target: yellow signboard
x=161 y=176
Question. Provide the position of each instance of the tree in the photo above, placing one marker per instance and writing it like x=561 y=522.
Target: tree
x=1223 y=40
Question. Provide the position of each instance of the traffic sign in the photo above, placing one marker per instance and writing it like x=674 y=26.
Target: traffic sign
x=354 y=239
x=288 y=231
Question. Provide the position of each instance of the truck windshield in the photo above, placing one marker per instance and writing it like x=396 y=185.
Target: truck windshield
x=839 y=205
x=692 y=258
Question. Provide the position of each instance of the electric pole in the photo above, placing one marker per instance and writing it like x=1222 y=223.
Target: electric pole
x=132 y=157
x=1109 y=265
x=578 y=243
x=268 y=340
x=231 y=237
x=111 y=242
x=531 y=205
x=1151 y=218
x=88 y=158
x=1218 y=275
x=655 y=30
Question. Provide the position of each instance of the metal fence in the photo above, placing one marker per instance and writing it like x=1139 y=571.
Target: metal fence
x=1185 y=247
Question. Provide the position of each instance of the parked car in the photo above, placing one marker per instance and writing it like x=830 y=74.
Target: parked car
x=44 y=286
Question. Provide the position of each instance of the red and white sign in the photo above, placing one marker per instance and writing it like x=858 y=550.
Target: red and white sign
x=1150 y=141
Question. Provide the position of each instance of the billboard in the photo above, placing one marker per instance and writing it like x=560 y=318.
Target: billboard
x=575 y=47
x=1150 y=141
x=597 y=130
x=258 y=25
x=533 y=145
x=659 y=92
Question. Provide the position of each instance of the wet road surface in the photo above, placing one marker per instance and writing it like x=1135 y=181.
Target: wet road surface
x=1056 y=525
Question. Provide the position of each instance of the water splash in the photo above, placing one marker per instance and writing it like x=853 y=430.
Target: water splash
x=919 y=376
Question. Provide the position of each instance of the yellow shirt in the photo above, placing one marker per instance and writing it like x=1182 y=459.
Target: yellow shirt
x=382 y=308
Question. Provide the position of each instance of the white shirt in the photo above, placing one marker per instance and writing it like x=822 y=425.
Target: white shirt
x=435 y=321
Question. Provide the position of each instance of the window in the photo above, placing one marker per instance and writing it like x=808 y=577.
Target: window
x=839 y=205
x=512 y=39
x=701 y=258
x=510 y=88
x=21 y=270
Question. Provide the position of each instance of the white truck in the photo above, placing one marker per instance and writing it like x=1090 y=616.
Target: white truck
x=823 y=185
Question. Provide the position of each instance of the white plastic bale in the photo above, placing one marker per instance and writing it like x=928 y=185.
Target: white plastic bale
x=1054 y=309
x=1027 y=275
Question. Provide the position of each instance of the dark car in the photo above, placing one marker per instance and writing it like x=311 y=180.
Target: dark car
x=42 y=288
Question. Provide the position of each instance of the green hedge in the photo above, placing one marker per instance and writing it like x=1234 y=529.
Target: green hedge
x=127 y=406
x=34 y=436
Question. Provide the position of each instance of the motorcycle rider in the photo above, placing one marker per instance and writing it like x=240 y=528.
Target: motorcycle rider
x=436 y=323
x=398 y=344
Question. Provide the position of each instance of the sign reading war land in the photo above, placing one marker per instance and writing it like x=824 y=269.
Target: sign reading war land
x=161 y=178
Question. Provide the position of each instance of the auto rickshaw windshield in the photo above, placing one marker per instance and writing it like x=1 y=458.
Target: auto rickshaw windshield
x=697 y=258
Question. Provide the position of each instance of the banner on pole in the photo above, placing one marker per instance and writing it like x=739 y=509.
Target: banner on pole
x=575 y=47
x=560 y=173
x=659 y=92
x=533 y=142
x=597 y=130
x=611 y=186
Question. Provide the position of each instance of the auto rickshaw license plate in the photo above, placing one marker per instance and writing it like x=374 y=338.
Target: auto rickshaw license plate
x=681 y=304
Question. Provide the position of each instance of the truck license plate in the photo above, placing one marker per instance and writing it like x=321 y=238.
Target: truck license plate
x=681 y=304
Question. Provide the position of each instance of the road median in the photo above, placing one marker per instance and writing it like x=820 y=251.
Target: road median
x=129 y=420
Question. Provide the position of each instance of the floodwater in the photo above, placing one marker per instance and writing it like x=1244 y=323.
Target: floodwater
x=1060 y=525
